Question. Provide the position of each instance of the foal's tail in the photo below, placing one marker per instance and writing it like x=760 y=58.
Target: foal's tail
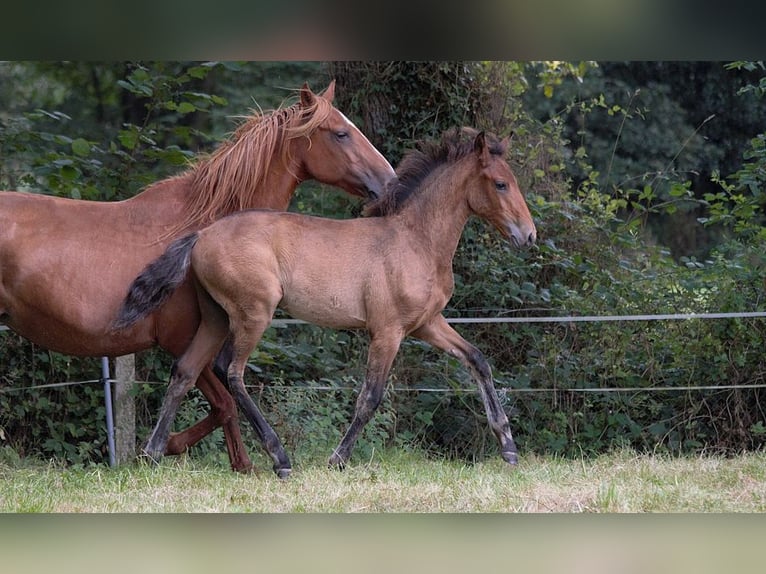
x=157 y=282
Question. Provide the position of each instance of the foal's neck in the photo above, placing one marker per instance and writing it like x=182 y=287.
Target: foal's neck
x=439 y=212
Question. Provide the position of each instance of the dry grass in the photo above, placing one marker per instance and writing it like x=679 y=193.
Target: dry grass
x=400 y=482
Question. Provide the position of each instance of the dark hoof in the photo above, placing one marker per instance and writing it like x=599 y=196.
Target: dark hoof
x=336 y=462
x=511 y=458
x=283 y=473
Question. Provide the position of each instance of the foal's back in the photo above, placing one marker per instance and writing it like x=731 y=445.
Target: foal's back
x=355 y=273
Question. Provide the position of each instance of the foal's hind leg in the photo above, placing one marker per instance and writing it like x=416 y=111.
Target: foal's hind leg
x=439 y=334
x=246 y=337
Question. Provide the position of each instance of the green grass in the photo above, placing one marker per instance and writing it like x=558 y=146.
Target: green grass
x=397 y=481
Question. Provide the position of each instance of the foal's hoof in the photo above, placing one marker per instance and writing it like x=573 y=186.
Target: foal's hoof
x=511 y=458
x=283 y=473
x=336 y=462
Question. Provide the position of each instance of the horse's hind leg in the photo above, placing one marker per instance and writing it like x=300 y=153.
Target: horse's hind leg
x=383 y=349
x=246 y=337
x=439 y=334
x=223 y=413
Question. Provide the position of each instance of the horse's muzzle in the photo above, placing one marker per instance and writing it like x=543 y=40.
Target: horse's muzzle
x=522 y=236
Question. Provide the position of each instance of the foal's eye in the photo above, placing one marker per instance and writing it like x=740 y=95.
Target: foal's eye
x=341 y=135
x=501 y=186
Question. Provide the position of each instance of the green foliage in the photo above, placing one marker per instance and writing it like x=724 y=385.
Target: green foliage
x=610 y=157
x=63 y=422
x=400 y=103
x=644 y=128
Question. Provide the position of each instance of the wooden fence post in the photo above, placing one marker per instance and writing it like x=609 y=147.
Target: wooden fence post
x=124 y=409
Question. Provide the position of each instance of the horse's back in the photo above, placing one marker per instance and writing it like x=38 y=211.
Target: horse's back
x=65 y=265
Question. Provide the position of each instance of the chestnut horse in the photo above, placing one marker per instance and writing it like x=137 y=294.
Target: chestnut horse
x=65 y=265
x=390 y=274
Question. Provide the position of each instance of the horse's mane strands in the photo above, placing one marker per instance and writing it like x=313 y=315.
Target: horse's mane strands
x=419 y=163
x=229 y=179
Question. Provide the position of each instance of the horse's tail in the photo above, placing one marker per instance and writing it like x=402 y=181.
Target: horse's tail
x=157 y=282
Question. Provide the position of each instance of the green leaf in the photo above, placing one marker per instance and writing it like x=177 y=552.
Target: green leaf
x=198 y=72
x=186 y=108
x=128 y=139
x=81 y=147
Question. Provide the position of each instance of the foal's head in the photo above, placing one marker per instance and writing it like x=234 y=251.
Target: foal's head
x=493 y=192
x=333 y=150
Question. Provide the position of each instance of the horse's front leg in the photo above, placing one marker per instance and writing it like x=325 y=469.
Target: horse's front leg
x=439 y=334
x=383 y=349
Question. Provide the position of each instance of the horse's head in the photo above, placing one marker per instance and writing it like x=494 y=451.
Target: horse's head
x=496 y=196
x=335 y=152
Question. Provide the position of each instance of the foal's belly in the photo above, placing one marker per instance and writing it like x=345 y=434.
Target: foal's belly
x=325 y=308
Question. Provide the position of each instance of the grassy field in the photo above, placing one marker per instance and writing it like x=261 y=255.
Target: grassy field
x=603 y=542
x=397 y=481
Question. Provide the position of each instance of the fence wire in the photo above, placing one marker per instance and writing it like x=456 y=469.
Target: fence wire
x=504 y=390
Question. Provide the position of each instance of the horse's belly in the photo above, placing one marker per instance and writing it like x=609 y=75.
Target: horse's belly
x=72 y=340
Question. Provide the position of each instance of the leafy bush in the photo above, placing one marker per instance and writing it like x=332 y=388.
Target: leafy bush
x=570 y=388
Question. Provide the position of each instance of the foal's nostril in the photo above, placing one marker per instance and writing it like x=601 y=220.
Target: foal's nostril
x=531 y=238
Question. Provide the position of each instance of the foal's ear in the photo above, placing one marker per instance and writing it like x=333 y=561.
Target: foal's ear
x=307 y=96
x=329 y=93
x=481 y=148
x=479 y=142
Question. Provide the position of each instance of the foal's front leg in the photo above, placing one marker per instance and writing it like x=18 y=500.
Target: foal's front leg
x=439 y=334
x=383 y=349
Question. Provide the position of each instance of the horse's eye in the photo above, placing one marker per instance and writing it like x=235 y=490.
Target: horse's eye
x=501 y=186
x=341 y=135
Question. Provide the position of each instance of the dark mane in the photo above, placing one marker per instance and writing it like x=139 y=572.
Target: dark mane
x=418 y=164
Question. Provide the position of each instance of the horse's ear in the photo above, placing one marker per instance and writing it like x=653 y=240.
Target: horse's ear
x=307 y=96
x=481 y=148
x=329 y=93
x=505 y=143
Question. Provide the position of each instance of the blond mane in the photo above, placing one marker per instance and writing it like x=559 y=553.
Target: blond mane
x=231 y=178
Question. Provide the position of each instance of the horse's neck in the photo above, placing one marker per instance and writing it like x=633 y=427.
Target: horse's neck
x=163 y=200
x=438 y=215
x=170 y=200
